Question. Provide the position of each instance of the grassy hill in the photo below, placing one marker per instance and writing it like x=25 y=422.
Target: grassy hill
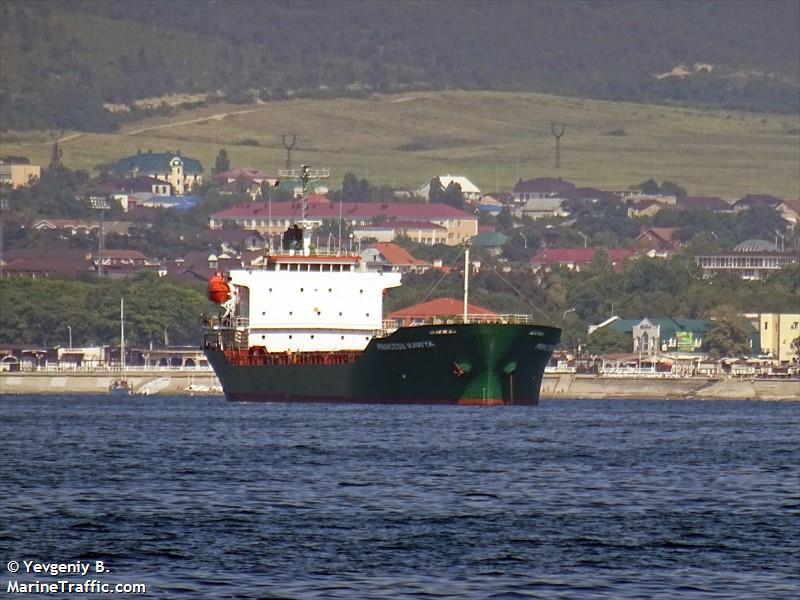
x=493 y=138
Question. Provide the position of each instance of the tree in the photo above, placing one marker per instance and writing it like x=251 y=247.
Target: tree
x=435 y=191
x=727 y=335
x=350 y=187
x=669 y=188
x=759 y=221
x=796 y=348
x=608 y=340
x=648 y=187
x=452 y=196
x=222 y=162
x=505 y=221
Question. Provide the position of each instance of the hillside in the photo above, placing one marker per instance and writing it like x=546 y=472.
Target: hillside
x=493 y=138
x=60 y=61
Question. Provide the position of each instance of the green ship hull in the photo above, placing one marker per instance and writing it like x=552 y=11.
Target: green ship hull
x=428 y=364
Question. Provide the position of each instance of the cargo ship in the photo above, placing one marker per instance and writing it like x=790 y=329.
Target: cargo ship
x=307 y=325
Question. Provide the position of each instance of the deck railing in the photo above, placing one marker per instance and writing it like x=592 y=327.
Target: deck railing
x=391 y=325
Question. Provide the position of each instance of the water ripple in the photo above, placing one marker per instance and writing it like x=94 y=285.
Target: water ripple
x=199 y=498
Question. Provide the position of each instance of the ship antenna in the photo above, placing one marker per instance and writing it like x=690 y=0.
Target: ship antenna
x=305 y=174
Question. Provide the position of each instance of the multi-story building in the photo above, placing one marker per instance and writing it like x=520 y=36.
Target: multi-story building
x=19 y=175
x=181 y=172
x=778 y=332
x=274 y=218
x=752 y=259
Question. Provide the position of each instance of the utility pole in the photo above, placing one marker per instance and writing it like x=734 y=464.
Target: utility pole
x=558 y=133
x=289 y=149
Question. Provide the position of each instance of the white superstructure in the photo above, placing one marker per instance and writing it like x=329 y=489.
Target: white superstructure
x=310 y=303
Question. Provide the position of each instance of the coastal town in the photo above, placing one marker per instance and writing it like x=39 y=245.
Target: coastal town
x=539 y=229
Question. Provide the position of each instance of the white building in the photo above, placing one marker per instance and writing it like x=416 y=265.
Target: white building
x=469 y=190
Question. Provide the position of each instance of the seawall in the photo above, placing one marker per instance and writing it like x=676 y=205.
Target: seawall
x=593 y=387
x=164 y=382
x=554 y=386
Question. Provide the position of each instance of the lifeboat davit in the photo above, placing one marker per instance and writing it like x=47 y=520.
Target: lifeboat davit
x=218 y=289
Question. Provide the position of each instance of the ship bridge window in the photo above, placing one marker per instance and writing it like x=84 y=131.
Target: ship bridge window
x=315 y=268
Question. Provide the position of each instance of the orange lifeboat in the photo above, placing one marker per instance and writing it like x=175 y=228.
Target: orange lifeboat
x=218 y=289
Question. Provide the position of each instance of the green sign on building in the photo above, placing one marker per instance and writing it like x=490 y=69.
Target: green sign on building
x=685 y=341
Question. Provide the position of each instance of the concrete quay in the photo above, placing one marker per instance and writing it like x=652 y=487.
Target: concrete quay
x=594 y=387
x=554 y=386
x=143 y=381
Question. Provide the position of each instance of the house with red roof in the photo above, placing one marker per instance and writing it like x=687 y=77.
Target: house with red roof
x=541 y=197
x=245 y=179
x=276 y=217
x=119 y=264
x=541 y=187
x=788 y=209
x=383 y=256
x=38 y=263
x=577 y=259
x=435 y=310
x=752 y=200
x=659 y=239
x=246 y=173
x=712 y=203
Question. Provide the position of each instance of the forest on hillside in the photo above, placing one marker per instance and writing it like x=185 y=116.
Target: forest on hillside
x=60 y=61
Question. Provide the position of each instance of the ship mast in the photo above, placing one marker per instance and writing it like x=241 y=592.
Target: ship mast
x=305 y=174
x=466 y=279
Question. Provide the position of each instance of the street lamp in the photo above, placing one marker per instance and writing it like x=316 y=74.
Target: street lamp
x=584 y=238
x=564 y=316
x=3 y=209
x=100 y=203
x=524 y=240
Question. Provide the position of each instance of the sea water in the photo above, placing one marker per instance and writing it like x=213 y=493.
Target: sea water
x=199 y=498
